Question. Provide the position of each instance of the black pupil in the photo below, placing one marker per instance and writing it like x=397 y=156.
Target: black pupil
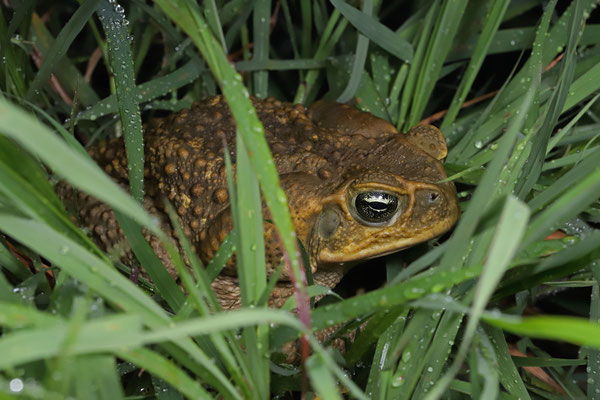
x=376 y=206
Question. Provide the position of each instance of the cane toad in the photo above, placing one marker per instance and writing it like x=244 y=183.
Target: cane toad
x=356 y=188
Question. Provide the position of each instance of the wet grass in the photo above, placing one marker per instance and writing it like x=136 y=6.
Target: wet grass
x=459 y=317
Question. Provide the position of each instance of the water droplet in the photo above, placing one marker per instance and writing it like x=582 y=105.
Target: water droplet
x=16 y=385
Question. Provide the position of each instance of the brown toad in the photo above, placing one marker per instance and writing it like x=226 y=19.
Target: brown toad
x=356 y=188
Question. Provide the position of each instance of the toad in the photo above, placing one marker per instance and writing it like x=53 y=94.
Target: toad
x=357 y=189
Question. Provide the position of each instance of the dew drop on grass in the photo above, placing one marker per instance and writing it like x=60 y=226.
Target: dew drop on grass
x=397 y=382
x=16 y=385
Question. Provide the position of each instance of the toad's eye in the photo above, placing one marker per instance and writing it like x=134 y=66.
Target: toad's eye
x=376 y=207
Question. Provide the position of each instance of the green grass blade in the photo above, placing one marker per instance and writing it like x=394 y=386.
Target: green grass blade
x=580 y=332
x=95 y=336
x=375 y=31
x=360 y=56
x=251 y=258
x=439 y=350
x=65 y=71
x=121 y=61
x=151 y=263
x=212 y=17
x=416 y=65
x=261 y=22
x=97 y=378
x=146 y=91
x=438 y=47
x=571 y=203
x=62 y=43
x=507 y=238
x=40 y=141
x=9 y=262
x=163 y=367
x=593 y=355
x=110 y=284
x=321 y=379
x=248 y=124
x=251 y=265
x=532 y=169
x=72 y=258
x=496 y=10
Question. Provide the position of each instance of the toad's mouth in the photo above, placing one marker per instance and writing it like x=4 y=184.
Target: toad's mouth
x=373 y=246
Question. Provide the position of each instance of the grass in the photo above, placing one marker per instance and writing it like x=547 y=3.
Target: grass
x=460 y=317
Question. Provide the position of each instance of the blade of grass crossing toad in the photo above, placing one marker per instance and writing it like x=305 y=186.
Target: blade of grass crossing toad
x=121 y=61
x=375 y=31
x=151 y=263
x=232 y=357
x=76 y=168
x=593 y=355
x=262 y=23
x=441 y=41
x=62 y=43
x=495 y=14
x=188 y=17
x=32 y=198
x=505 y=243
x=146 y=91
x=360 y=56
x=226 y=250
x=67 y=136
x=251 y=264
x=251 y=256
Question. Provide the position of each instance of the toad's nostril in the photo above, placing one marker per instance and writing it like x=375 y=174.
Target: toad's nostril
x=433 y=197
